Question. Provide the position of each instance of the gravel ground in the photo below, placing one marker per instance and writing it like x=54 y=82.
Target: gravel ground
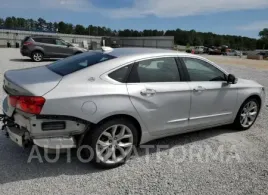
x=185 y=167
x=255 y=64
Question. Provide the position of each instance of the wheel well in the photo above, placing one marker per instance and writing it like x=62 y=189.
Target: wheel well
x=256 y=97
x=127 y=117
x=78 y=52
x=36 y=51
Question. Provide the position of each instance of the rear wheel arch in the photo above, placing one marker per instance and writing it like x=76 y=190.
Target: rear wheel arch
x=130 y=118
x=37 y=50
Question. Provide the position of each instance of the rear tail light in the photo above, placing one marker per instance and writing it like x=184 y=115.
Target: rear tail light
x=28 y=104
x=13 y=100
x=27 y=43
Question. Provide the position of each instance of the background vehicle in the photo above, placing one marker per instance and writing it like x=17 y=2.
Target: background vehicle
x=119 y=98
x=214 y=51
x=199 y=49
x=232 y=52
x=110 y=42
x=38 y=48
x=264 y=54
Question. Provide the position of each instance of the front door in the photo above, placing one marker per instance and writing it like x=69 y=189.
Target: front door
x=212 y=99
x=159 y=96
x=62 y=49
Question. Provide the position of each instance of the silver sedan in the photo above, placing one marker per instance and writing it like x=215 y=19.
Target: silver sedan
x=115 y=99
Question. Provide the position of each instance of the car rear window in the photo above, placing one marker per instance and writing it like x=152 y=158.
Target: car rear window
x=25 y=39
x=78 y=62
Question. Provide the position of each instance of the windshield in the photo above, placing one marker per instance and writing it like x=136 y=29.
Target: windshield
x=78 y=62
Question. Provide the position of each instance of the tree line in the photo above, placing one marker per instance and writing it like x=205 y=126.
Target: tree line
x=181 y=37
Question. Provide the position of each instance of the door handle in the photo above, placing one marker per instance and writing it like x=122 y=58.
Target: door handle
x=199 y=89
x=148 y=92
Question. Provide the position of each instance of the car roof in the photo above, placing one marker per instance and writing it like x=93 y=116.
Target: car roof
x=141 y=52
x=126 y=56
x=138 y=53
x=46 y=37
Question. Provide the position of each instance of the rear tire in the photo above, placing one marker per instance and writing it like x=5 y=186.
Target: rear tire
x=111 y=142
x=37 y=56
x=247 y=114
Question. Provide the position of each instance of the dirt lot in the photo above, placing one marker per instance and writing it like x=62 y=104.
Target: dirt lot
x=256 y=64
x=213 y=161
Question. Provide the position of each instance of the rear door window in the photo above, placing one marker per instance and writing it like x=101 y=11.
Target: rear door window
x=155 y=70
x=78 y=62
x=45 y=40
x=61 y=42
x=49 y=41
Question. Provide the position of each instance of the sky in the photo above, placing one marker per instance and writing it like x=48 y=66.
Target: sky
x=234 y=17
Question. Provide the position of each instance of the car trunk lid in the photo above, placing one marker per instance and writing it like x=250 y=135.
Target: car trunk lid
x=31 y=81
x=28 y=82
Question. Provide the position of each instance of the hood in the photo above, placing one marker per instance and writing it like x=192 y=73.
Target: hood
x=248 y=83
x=78 y=47
x=31 y=81
x=81 y=49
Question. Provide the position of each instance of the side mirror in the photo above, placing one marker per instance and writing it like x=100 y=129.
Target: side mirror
x=231 y=79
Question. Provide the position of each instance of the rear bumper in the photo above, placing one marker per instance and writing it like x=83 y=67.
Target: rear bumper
x=25 y=52
x=27 y=130
x=17 y=136
x=56 y=143
x=23 y=139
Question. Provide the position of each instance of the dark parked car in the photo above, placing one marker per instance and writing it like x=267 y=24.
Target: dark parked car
x=38 y=48
x=214 y=51
x=264 y=54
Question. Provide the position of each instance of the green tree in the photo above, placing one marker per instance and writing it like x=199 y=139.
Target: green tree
x=197 y=41
x=188 y=45
x=218 y=41
x=2 y=22
x=14 y=22
x=41 y=24
x=50 y=26
x=55 y=27
x=264 y=34
x=208 y=39
x=181 y=37
x=70 y=29
x=62 y=27
x=80 y=30
x=21 y=23
x=9 y=22
x=264 y=38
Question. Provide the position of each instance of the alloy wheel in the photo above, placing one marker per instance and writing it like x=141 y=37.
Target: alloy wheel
x=248 y=114
x=37 y=57
x=114 y=144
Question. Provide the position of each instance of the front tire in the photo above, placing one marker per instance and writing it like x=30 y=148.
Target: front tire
x=111 y=142
x=247 y=114
x=37 y=56
x=78 y=53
